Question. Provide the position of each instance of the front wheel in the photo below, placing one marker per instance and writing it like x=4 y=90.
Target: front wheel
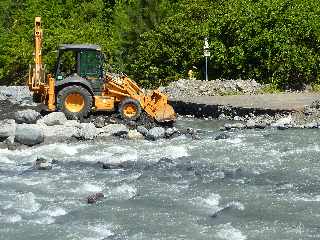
x=129 y=109
x=75 y=102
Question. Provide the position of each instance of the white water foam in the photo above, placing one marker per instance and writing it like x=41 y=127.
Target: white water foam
x=88 y=188
x=307 y=198
x=26 y=203
x=211 y=201
x=11 y=218
x=155 y=152
x=124 y=191
x=5 y=160
x=44 y=220
x=100 y=231
x=55 y=212
x=227 y=232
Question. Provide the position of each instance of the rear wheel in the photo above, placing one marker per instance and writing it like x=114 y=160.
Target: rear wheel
x=75 y=101
x=130 y=109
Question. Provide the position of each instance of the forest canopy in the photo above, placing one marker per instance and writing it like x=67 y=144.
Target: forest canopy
x=158 y=41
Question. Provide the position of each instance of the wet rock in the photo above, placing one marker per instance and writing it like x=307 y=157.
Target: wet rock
x=27 y=116
x=312 y=125
x=94 y=198
x=28 y=134
x=250 y=124
x=99 y=122
x=87 y=131
x=42 y=164
x=134 y=134
x=229 y=126
x=132 y=124
x=54 y=118
x=7 y=129
x=238 y=126
x=283 y=127
x=114 y=165
x=72 y=123
x=156 y=133
x=261 y=125
x=222 y=136
x=165 y=160
x=115 y=130
x=142 y=130
x=170 y=132
x=58 y=133
x=283 y=122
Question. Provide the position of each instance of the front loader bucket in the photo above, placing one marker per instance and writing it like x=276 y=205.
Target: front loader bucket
x=165 y=113
x=157 y=106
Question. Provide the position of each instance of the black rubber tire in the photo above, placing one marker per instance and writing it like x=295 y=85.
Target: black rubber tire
x=123 y=104
x=63 y=93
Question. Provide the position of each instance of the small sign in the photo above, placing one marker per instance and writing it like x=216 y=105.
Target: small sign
x=206 y=53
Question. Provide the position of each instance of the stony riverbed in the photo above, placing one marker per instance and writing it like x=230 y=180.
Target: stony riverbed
x=211 y=180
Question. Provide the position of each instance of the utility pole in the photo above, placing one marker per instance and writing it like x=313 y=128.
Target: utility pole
x=206 y=53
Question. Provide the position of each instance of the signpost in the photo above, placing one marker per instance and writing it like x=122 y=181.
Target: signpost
x=206 y=53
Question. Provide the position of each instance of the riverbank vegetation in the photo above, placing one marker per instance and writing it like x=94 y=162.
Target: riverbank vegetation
x=158 y=41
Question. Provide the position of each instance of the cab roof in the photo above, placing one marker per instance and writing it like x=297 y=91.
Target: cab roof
x=79 y=47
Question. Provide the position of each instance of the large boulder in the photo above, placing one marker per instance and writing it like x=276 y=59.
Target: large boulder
x=58 y=133
x=54 y=118
x=28 y=134
x=156 y=133
x=7 y=129
x=87 y=131
x=115 y=130
x=27 y=116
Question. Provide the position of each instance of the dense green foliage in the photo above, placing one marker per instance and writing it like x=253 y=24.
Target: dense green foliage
x=156 y=41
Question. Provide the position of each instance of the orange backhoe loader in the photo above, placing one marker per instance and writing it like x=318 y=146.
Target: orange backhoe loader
x=79 y=85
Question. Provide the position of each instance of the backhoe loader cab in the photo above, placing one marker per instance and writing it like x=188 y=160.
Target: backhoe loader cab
x=80 y=60
x=79 y=85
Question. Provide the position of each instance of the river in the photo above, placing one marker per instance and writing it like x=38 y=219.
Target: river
x=257 y=184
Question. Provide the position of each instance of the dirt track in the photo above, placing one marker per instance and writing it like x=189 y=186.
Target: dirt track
x=281 y=102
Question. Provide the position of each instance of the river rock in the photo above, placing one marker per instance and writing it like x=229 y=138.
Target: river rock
x=134 y=134
x=261 y=125
x=7 y=130
x=27 y=116
x=312 y=125
x=93 y=198
x=115 y=130
x=58 y=133
x=250 y=124
x=142 y=130
x=170 y=132
x=72 y=123
x=114 y=165
x=54 y=118
x=29 y=134
x=99 y=122
x=42 y=164
x=156 y=133
x=282 y=122
x=87 y=131
x=222 y=136
x=229 y=126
